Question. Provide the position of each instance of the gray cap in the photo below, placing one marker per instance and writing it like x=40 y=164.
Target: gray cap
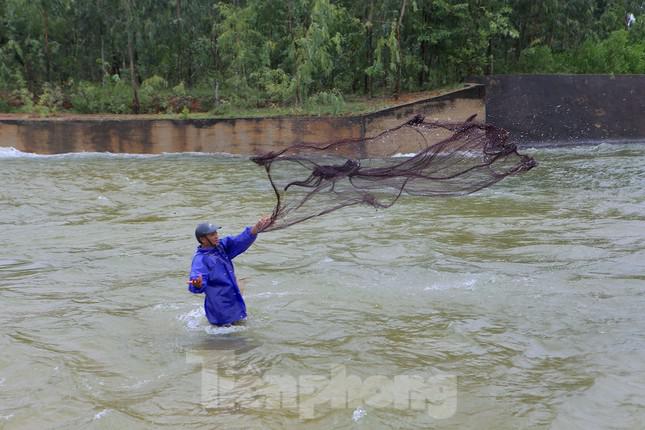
x=205 y=228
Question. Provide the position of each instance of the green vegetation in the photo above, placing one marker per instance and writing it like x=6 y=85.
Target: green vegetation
x=291 y=56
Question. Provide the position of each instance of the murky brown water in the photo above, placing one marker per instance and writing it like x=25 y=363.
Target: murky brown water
x=518 y=307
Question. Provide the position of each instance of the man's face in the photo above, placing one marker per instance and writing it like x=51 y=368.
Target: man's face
x=211 y=239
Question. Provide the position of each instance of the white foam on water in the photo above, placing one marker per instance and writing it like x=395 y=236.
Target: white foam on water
x=165 y=306
x=469 y=284
x=101 y=414
x=270 y=294
x=404 y=155
x=581 y=147
x=205 y=154
x=211 y=329
x=193 y=319
x=11 y=152
x=358 y=414
x=137 y=384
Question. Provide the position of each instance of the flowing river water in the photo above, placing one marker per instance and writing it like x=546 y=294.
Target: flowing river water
x=520 y=306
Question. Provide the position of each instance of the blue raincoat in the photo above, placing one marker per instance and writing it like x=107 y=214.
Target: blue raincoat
x=223 y=303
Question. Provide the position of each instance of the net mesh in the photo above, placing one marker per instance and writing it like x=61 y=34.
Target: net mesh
x=418 y=157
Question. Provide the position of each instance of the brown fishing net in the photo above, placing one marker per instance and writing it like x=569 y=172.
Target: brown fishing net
x=419 y=157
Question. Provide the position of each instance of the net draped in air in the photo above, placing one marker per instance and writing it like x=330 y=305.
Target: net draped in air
x=419 y=158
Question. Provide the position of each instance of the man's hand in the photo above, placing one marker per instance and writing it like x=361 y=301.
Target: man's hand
x=197 y=282
x=262 y=223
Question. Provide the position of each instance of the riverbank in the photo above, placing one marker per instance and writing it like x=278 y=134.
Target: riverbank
x=351 y=106
x=153 y=134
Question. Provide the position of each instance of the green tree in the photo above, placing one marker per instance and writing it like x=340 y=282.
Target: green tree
x=264 y=52
x=318 y=50
x=243 y=49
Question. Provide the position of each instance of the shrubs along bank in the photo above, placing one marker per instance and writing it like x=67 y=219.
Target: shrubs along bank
x=156 y=97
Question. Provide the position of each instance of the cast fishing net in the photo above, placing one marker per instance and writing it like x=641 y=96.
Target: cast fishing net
x=420 y=158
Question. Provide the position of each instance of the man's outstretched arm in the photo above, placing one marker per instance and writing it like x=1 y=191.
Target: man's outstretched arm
x=236 y=245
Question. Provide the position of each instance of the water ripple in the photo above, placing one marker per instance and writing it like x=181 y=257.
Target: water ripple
x=529 y=293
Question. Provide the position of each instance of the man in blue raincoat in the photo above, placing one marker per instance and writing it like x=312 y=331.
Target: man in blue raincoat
x=212 y=271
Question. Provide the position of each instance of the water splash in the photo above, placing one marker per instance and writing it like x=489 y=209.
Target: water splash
x=358 y=414
x=468 y=284
x=11 y=152
x=101 y=414
x=193 y=319
x=211 y=329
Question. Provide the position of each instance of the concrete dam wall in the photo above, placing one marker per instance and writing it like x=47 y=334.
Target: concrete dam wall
x=244 y=136
x=567 y=108
x=534 y=108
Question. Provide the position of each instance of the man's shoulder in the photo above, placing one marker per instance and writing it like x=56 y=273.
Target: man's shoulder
x=199 y=254
x=226 y=239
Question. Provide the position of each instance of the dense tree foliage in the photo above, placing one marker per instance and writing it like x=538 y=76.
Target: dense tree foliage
x=185 y=55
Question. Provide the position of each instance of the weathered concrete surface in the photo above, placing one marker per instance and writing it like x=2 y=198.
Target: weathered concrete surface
x=245 y=136
x=563 y=108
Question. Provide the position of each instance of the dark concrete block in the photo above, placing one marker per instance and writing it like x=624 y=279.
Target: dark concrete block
x=567 y=108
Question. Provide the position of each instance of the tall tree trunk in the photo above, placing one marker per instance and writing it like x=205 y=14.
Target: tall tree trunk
x=368 y=86
x=48 y=59
x=292 y=35
x=290 y=19
x=103 y=68
x=136 y=105
x=424 y=48
x=213 y=47
x=422 y=73
x=180 y=36
x=489 y=53
x=397 y=84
